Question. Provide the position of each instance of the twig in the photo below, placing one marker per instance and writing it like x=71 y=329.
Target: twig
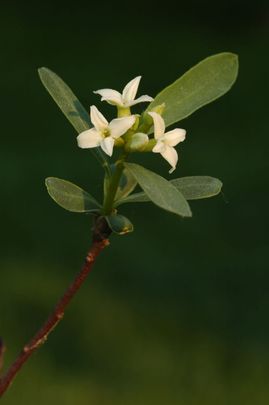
x=99 y=243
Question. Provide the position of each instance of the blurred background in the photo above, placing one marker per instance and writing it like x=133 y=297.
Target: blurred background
x=177 y=312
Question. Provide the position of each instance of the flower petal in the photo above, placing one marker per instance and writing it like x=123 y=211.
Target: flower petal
x=119 y=126
x=130 y=90
x=170 y=154
x=159 y=125
x=98 y=120
x=111 y=96
x=142 y=99
x=159 y=147
x=89 y=138
x=107 y=145
x=172 y=138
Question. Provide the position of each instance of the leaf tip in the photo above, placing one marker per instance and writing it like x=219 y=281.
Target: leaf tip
x=43 y=72
x=47 y=181
x=188 y=213
x=220 y=184
x=234 y=57
x=41 y=69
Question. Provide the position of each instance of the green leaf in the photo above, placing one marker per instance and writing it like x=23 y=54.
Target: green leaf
x=133 y=198
x=119 y=224
x=198 y=187
x=160 y=191
x=69 y=105
x=192 y=188
x=202 y=84
x=65 y=99
x=126 y=186
x=70 y=197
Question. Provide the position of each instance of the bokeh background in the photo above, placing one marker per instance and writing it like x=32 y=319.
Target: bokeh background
x=177 y=312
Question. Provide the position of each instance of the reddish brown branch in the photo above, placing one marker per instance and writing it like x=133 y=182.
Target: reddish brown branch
x=55 y=317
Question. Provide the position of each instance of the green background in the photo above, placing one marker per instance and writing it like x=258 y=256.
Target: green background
x=177 y=312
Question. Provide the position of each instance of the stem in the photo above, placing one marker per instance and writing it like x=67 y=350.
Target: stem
x=124 y=112
x=113 y=185
x=98 y=244
x=103 y=161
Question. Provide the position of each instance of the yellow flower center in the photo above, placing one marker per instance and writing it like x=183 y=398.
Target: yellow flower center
x=106 y=133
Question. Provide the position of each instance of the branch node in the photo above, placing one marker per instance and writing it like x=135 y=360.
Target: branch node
x=60 y=316
x=35 y=345
x=89 y=258
x=101 y=230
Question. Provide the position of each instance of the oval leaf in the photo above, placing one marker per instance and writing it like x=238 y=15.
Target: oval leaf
x=198 y=187
x=70 y=197
x=160 y=191
x=65 y=99
x=202 y=84
x=192 y=188
x=69 y=104
x=119 y=224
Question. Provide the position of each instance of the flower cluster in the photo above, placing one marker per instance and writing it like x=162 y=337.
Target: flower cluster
x=127 y=131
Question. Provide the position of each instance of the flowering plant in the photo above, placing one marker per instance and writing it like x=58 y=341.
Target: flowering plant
x=146 y=133
x=129 y=133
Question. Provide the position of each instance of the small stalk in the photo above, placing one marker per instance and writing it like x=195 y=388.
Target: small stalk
x=123 y=112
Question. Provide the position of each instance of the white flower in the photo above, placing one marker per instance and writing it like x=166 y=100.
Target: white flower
x=166 y=141
x=127 y=98
x=104 y=134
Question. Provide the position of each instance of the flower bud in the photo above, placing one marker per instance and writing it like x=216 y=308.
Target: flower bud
x=146 y=119
x=159 y=109
x=136 y=123
x=137 y=143
x=149 y=146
